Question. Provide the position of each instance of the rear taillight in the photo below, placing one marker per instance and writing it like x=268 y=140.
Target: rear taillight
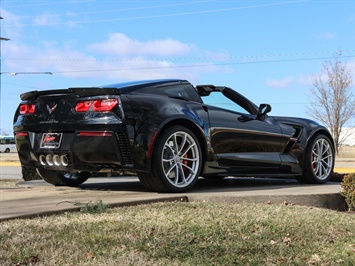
x=83 y=106
x=21 y=134
x=104 y=105
x=27 y=109
x=101 y=105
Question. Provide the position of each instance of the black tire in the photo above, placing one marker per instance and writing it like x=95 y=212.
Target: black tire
x=30 y=173
x=145 y=179
x=60 y=178
x=176 y=161
x=7 y=150
x=318 y=161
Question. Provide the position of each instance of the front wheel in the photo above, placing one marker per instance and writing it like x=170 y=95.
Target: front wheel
x=319 y=161
x=176 y=161
x=60 y=178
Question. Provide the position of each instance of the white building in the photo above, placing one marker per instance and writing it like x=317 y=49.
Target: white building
x=347 y=136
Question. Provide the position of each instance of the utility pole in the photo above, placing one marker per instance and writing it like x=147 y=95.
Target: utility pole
x=1 y=39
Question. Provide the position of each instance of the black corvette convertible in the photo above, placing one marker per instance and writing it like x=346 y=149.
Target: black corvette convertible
x=164 y=132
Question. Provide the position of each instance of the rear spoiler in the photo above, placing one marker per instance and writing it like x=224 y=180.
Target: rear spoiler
x=81 y=92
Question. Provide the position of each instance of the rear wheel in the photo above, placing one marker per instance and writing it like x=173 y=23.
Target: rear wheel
x=7 y=150
x=319 y=161
x=60 y=178
x=176 y=161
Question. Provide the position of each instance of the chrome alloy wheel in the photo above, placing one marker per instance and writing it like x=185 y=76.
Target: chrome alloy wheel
x=322 y=159
x=180 y=159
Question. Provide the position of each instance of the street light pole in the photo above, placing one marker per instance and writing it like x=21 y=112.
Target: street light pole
x=1 y=39
x=26 y=73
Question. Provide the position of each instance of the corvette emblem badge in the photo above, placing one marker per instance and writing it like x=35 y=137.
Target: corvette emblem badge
x=50 y=110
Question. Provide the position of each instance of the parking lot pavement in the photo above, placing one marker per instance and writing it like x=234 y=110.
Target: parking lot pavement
x=33 y=198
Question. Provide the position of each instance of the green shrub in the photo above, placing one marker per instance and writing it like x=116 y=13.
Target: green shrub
x=30 y=173
x=348 y=186
x=91 y=207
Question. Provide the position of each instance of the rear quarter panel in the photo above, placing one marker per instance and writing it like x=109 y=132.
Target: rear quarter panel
x=146 y=116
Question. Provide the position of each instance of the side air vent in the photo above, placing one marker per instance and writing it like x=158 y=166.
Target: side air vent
x=293 y=140
x=298 y=131
x=124 y=147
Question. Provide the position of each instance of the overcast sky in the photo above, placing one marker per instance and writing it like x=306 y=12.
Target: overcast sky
x=267 y=50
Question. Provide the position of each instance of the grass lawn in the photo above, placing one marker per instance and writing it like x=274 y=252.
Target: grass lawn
x=183 y=234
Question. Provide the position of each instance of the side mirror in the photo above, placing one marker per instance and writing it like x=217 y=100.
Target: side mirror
x=263 y=110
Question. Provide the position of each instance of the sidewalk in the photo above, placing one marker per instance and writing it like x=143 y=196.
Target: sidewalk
x=33 y=198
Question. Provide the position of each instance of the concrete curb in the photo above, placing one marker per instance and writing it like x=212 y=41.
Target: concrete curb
x=78 y=208
x=326 y=201
x=36 y=198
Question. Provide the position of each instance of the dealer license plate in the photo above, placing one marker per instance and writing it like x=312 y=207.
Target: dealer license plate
x=51 y=140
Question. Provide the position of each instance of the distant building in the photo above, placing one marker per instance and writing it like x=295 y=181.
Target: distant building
x=348 y=133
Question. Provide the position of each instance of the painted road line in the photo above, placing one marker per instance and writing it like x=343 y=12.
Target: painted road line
x=344 y=170
x=10 y=164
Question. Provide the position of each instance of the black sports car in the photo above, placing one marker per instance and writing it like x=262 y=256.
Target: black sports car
x=163 y=132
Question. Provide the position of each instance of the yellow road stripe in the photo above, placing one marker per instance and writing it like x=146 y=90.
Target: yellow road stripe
x=10 y=164
x=344 y=170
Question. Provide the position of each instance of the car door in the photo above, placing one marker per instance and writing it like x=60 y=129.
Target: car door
x=242 y=141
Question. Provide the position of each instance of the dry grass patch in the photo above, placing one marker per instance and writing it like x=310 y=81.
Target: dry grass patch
x=183 y=234
x=9 y=182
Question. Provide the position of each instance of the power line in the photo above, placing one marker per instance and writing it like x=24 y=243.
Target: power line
x=25 y=86
x=160 y=16
x=51 y=3
x=175 y=58
x=195 y=65
x=120 y=9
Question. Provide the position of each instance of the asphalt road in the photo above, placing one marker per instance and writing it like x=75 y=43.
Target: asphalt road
x=10 y=172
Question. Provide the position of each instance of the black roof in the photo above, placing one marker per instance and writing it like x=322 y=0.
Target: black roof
x=117 y=88
x=134 y=85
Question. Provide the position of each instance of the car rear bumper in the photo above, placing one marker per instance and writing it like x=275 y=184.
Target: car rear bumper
x=77 y=151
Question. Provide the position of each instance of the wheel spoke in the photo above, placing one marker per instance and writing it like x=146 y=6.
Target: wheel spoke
x=168 y=160
x=183 y=177
x=188 y=149
x=177 y=174
x=192 y=171
x=190 y=159
x=182 y=145
x=316 y=169
x=176 y=144
x=325 y=149
x=167 y=173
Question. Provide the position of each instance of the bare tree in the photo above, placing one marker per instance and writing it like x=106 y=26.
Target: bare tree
x=333 y=101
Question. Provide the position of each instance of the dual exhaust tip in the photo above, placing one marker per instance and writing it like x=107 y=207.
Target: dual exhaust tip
x=54 y=160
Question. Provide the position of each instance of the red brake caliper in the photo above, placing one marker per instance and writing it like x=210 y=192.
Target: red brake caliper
x=185 y=162
x=313 y=165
